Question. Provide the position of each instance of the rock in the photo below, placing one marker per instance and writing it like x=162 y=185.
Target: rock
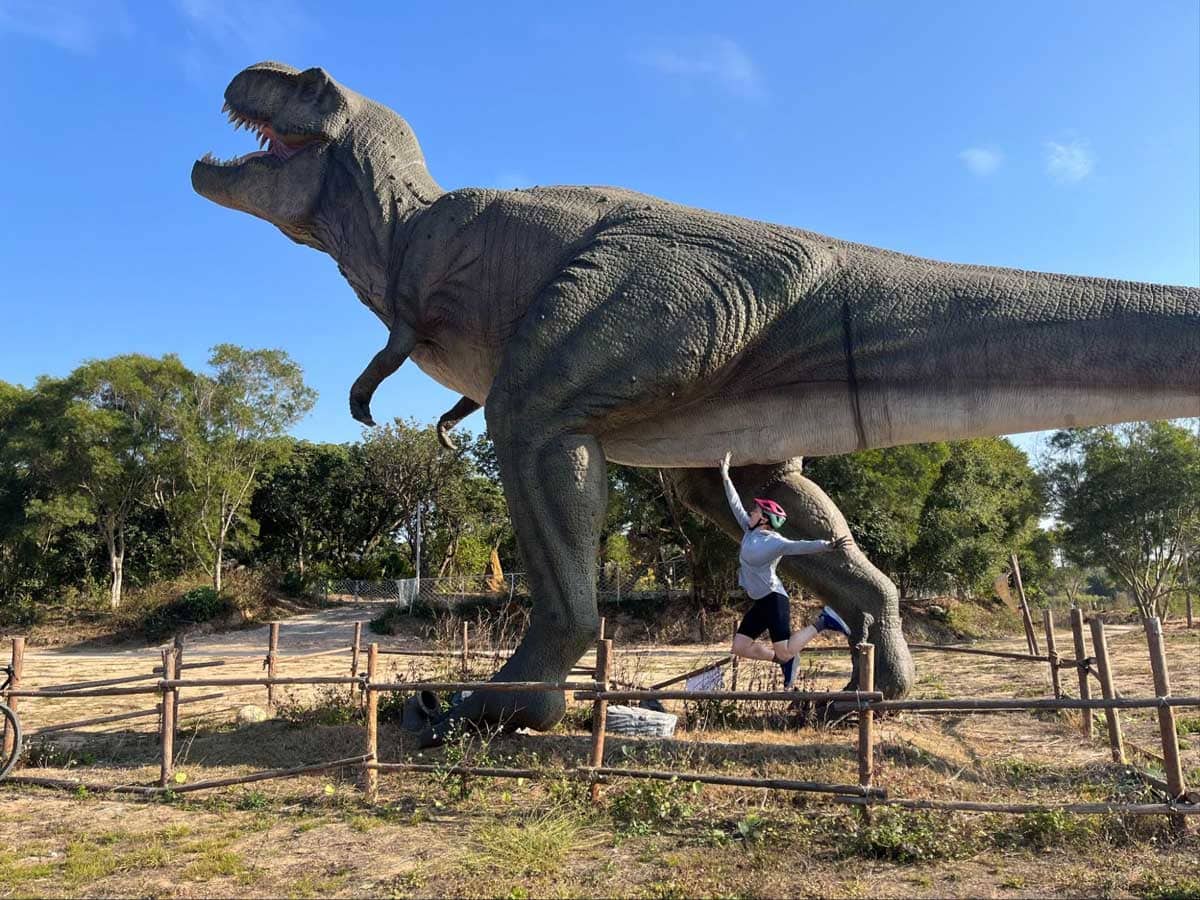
x=249 y=714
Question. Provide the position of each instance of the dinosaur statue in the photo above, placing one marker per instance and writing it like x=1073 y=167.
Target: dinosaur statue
x=600 y=324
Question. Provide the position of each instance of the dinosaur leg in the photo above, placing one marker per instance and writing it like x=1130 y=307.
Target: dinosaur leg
x=463 y=408
x=556 y=489
x=401 y=341
x=846 y=580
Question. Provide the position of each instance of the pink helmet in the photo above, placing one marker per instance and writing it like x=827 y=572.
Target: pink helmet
x=773 y=510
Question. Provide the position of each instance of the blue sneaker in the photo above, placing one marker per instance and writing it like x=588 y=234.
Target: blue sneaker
x=828 y=620
x=789 y=673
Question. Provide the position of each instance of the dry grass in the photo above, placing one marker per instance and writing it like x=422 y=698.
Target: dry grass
x=433 y=835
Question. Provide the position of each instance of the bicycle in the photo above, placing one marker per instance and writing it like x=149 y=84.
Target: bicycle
x=11 y=726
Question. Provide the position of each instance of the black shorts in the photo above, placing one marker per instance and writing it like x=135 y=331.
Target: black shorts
x=771 y=613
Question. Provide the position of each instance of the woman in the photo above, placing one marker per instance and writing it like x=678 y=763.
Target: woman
x=762 y=548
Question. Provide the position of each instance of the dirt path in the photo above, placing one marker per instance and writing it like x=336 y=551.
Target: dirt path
x=242 y=651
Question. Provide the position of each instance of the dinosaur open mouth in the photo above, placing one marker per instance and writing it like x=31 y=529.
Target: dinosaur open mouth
x=275 y=146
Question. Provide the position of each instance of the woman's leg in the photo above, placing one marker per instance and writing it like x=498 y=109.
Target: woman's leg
x=748 y=648
x=754 y=623
x=779 y=622
x=800 y=638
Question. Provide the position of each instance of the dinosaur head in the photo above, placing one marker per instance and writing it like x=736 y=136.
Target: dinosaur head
x=333 y=166
x=297 y=118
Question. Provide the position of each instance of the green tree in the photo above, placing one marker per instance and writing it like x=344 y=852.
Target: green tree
x=231 y=428
x=984 y=505
x=471 y=513
x=883 y=494
x=405 y=486
x=1128 y=500
x=301 y=505
x=89 y=448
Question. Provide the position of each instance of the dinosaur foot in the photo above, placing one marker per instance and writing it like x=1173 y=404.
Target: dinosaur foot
x=496 y=710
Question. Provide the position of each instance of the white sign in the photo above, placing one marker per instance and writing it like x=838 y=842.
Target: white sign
x=709 y=680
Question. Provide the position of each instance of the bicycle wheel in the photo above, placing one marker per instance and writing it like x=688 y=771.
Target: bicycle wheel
x=12 y=726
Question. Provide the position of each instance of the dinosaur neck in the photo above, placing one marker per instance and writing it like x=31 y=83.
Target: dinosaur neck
x=375 y=189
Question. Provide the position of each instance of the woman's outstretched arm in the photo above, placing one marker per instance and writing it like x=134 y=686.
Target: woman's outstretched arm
x=731 y=495
x=799 y=548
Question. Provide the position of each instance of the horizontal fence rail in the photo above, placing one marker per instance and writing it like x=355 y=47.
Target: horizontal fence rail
x=599 y=691
x=859 y=697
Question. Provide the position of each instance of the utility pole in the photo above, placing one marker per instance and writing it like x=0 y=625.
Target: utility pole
x=418 y=553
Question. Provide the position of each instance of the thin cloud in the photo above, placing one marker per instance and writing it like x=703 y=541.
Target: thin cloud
x=78 y=26
x=717 y=61
x=222 y=31
x=246 y=25
x=1069 y=163
x=981 y=161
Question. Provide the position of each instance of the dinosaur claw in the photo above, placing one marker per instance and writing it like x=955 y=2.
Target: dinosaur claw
x=361 y=411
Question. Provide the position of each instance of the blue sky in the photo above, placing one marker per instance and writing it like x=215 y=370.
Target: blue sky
x=1057 y=136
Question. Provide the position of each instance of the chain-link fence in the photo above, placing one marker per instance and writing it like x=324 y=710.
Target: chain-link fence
x=613 y=585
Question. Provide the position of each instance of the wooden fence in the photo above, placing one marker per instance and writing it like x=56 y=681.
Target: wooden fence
x=168 y=682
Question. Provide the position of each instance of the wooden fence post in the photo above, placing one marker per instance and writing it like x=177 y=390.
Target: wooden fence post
x=1166 y=714
x=166 y=722
x=272 y=653
x=1085 y=691
x=17 y=662
x=733 y=662
x=1026 y=618
x=370 y=778
x=866 y=717
x=1187 y=587
x=1052 y=651
x=178 y=644
x=355 y=650
x=600 y=634
x=600 y=710
x=465 y=649
x=1104 y=670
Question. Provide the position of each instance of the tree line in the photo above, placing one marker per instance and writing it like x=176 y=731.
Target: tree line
x=135 y=469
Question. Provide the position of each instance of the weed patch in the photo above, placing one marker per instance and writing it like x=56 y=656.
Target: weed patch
x=535 y=845
x=216 y=862
x=644 y=807
x=332 y=705
x=908 y=837
x=1043 y=830
x=1158 y=886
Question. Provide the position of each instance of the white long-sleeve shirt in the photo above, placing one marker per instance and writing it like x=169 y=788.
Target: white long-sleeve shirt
x=762 y=549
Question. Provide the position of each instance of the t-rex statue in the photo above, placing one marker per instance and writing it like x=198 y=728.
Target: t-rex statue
x=600 y=324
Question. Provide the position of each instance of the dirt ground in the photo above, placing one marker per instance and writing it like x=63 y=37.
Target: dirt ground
x=436 y=835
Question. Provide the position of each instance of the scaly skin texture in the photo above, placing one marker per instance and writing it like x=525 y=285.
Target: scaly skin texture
x=599 y=324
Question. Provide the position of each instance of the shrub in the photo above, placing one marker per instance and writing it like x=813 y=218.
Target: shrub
x=202 y=604
x=388 y=621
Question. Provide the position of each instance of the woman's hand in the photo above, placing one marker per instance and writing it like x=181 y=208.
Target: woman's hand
x=845 y=542
x=725 y=463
